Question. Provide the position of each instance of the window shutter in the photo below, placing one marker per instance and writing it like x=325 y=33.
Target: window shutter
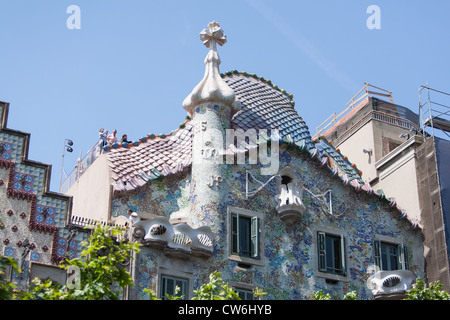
x=234 y=234
x=321 y=251
x=343 y=256
x=377 y=253
x=407 y=251
x=403 y=256
x=255 y=237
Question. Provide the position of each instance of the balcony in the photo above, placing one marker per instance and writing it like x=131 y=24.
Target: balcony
x=177 y=241
x=390 y=285
x=290 y=206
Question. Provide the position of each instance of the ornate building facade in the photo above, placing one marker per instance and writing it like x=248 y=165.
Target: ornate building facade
x=35 y=226
x=241 y=188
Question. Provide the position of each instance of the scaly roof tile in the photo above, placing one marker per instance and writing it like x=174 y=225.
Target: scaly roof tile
x=263 y=106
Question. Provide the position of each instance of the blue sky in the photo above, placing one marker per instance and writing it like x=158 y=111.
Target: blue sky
x=132 y=63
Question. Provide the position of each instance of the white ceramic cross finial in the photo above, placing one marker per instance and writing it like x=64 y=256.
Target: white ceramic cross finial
x=212 y=88
x=213 y=35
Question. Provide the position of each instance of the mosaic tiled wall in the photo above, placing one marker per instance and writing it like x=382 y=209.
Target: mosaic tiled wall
x=289 y=270
x=162 y=198
x=30 y=178
x=28 y=213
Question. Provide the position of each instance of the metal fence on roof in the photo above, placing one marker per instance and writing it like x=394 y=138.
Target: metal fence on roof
x=354 y=101
x=434 y=111
x=81 y=167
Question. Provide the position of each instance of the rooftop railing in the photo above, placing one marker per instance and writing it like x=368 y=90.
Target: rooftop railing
x=81 y=167
x=434 y=114
x=354 y=101
x=379 y=116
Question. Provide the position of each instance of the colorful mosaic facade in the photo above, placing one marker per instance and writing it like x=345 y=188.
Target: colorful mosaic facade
x=33 y=221
x=307 y=224
x=289 y=254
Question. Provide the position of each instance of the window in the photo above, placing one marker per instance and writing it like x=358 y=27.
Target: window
x=169 y=284
x=331 y=250
x=389 y=256
x=245 y=294
x=43 y=272
x=245 y=236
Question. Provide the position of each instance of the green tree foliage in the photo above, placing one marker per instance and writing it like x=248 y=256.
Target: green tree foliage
x=6 y=287
x=215 y=289
x=319 y=295
x=102 y=275
x=420 y=291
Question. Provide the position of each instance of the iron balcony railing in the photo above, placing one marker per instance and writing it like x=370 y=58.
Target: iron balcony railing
x=84 y=222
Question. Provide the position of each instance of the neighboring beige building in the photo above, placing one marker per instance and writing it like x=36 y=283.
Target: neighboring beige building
x=94 y=204
x=397 y=158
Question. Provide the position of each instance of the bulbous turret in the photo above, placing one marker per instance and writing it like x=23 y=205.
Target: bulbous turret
x=211 y=88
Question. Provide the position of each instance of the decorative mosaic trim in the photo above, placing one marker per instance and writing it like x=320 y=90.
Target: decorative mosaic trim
x=62 y=245
x=45 y=215
x=34 y=256
x=12 y=146
x=33 y=225
x=9 y=252
x=5 y=150
x=23 y=182
x=202 y=109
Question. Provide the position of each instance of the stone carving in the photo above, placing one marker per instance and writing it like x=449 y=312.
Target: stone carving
x=210 y=153
x=215 y=180
x=388 y=282
x=138 y=233
x=27 y=248
x=199 y=127
x=72 y=233
x=178 y=241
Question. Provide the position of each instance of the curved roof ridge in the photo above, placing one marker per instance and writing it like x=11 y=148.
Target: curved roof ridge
x=265 y=106
x=149 y=136
x=266 y=81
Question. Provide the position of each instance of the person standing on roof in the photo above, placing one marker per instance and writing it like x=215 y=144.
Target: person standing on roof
x=112 y=137
x=102 y=134
x=125 y=138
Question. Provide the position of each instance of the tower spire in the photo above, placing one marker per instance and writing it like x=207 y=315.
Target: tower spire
x=211 y=88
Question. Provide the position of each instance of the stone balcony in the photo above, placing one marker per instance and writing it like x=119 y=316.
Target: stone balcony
x=290 y=206
x=390 y=285
x=177 y=241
